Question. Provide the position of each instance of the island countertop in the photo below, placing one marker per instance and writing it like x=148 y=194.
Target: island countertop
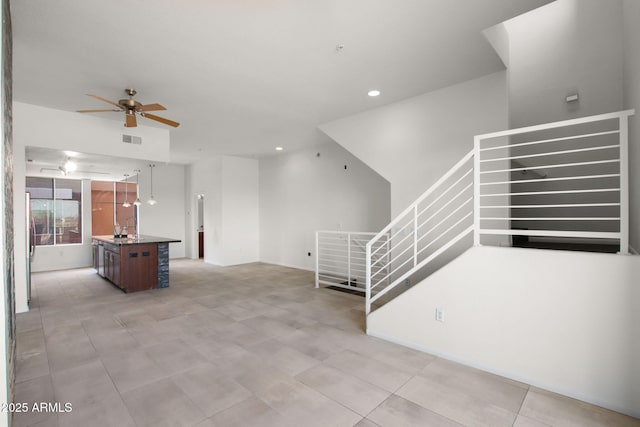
x=144 y=239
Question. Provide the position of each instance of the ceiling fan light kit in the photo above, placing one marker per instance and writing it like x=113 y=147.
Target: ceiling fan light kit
x=131 y=108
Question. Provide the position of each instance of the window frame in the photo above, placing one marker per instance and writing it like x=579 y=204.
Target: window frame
x=53 y=210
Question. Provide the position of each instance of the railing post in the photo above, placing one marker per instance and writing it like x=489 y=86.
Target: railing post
x=368 y=278
x=317 y=262
x=415 y=235
x=476 y=191
x=348 y=259
x=624 y=184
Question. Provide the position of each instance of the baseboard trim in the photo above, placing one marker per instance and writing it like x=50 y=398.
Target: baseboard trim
x=510 y=375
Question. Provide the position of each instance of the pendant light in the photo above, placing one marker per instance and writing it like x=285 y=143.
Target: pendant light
x=151 y=200
x=126 y=203
x=137 y=202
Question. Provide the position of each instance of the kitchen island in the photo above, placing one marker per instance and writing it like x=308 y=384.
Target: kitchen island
x=133 y=264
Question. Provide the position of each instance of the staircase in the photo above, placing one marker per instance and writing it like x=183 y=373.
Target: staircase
x=562 y=184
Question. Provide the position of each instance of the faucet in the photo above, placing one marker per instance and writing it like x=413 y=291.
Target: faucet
x=134 y=218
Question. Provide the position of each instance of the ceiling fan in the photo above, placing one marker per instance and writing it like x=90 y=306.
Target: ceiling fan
x=70 y=167
x=131 y=107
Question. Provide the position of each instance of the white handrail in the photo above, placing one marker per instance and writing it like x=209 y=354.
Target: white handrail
x=560 y=124
x=543 y=141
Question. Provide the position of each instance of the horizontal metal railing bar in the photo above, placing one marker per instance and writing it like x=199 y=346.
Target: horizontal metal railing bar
x=332 y=267
x=597 y=218
x=375 y=252
x=410 y=222
x=451 y=200
x=394 y=259
x=327 y=276
x=358 y=241
x=332 y=254
x=553 y=233
x=563 y=165
x=393 y=246
x=447 y=190
x=432 y=229
x=333 y=249
x=542 y=141
x=424 y=262
x=335 y=245
x=391 y=273
x=562 y=205
x=330 y=258
x=535 y=193
x=332 y=263
x=426 y=194
x=338 y=276
x=554 y=153
x=338 y=285
x=384 y=255
x=446 y=231
x=363 y=233
x=555 y=125
x=562 y=178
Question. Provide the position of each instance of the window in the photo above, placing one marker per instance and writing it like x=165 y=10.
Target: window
x=56 y=207
x=107 y=211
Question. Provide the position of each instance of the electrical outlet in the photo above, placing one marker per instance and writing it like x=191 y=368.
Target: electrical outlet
x=439 y=314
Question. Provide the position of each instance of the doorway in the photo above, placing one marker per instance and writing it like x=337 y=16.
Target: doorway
x=200 y=229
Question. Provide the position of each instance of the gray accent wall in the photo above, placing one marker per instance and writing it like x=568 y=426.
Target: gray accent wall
x=9 y=352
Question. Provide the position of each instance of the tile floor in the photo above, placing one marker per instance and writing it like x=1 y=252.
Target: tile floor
x=251 y=345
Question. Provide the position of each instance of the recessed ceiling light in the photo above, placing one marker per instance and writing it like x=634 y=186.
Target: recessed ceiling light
x=373 y=93
x=279 y=148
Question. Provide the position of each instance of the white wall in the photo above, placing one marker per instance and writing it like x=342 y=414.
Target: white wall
x=231 y=226
x=413 y=142
x=167 y=217
x=631 y=9
x=559 y=48
x=240 y=210
x=570 y=327
x=301 y=192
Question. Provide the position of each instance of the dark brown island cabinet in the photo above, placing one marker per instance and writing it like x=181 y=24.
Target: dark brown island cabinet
x=133 y=264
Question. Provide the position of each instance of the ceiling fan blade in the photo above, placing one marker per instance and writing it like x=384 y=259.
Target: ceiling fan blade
x=150 y=107
x=131 y=121
x=161 y=120
x=96 y=111
x=105 y=100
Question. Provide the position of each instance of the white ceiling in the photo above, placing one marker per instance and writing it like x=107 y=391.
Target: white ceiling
x=243 y=76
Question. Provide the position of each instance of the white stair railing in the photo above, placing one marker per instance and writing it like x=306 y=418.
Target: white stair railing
x=566 y=180
x=340 y=259
x=434 y=223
